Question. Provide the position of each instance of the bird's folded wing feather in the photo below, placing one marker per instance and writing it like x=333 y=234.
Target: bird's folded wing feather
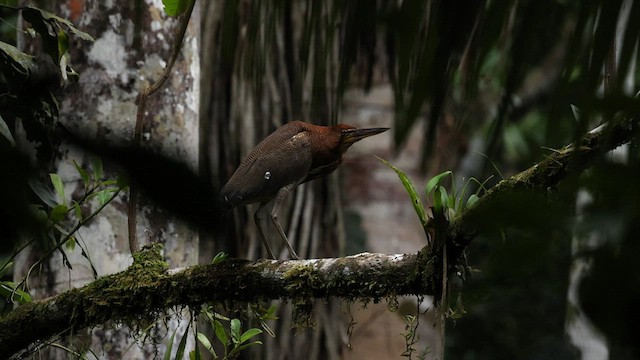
x=281 y=159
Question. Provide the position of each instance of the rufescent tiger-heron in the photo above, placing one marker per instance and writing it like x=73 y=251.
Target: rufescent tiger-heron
x=294 y=153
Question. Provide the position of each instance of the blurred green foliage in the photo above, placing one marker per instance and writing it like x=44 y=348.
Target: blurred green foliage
x=516 y=302
x=8 y=21
x=610 y=292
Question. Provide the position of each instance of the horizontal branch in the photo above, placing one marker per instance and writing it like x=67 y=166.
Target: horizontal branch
x=147 y=288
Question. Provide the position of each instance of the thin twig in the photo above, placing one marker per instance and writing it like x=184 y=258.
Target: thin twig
x=134 y=244
x=66 y=238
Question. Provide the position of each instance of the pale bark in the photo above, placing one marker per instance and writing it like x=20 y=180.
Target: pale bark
x=131 y=48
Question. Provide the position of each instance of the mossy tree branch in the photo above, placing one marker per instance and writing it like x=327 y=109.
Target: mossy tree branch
x=147 y=287
x=137 y=294
x=547 y=174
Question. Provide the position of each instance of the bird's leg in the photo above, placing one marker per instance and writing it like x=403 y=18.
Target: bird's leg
x=257 y=217
x=282 y=194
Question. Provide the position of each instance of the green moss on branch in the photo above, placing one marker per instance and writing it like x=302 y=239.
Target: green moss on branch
x=139 y=294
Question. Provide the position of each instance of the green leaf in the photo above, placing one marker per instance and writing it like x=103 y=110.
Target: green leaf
x=176 y=7
x=34 y=12
x=221 y=317
x=64 y=57
x=444 y=196
x=472 y=200
x=58 y=186
x=413 y=194
x=434 y=181
x=5 y=268
x=70 y=245
x=437 y=200
x=450 y=199
x=23 y=297
x=270 y=315
x=221 y=334
x=247 y=335
x=46 y=31
x=109 y=182
x=235 y=330
x=63 y=45
x=195 y=353
x=58 y=213
x=220 y=257
x=167 y=354
x=77 y=210
x=204 y=340
x=98 y=171
x=8 y=291
x=84 y=174
x=207 y=311
x=4 y=131
x=459 y=199
x=183 y=344
x=19 y=65
x=104 y=196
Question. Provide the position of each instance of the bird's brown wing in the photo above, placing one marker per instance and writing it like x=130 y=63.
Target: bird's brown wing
x=281 y=159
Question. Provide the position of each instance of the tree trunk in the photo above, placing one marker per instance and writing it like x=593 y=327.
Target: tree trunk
x=133 y=42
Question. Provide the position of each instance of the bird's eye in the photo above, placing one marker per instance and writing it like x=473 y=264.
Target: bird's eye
x=267 y=175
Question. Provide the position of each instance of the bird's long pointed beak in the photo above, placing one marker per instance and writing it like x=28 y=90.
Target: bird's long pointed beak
x=353 y=135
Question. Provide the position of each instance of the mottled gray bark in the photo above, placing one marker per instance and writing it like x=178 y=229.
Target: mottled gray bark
x=133 y=41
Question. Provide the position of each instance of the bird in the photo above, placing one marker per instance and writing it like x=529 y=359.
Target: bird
x=293 y=154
